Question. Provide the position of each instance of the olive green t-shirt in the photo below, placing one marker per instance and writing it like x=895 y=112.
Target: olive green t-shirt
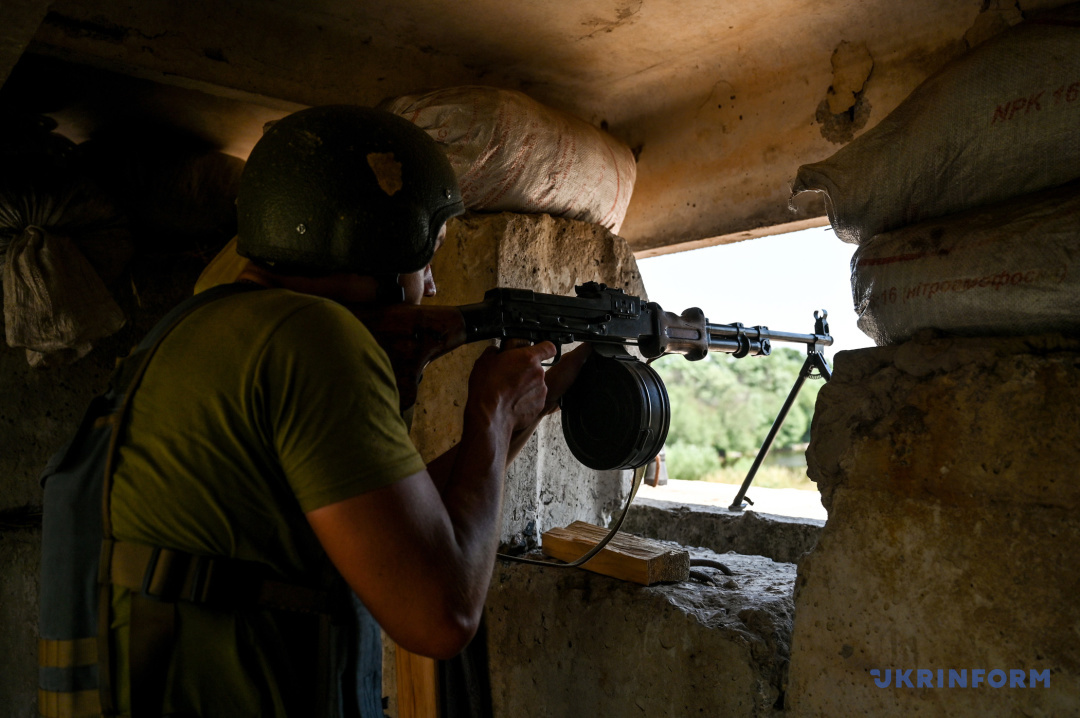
x=257 y=408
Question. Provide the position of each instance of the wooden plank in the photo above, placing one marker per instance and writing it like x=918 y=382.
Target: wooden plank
x=417 y=685
x=626 y=557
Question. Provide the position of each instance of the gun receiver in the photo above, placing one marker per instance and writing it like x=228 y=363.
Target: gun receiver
x=605 y=315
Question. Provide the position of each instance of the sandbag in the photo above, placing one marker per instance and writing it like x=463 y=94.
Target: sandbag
x=63 y=245
x=1002 y=121
x=55 y=304
x=1009 y=269
x=511 y=153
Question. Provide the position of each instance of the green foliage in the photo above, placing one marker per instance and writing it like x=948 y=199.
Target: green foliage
x=689 y=462
x=768 y=477
x=721 y=405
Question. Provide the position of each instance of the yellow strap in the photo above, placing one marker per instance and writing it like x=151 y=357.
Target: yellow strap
x=67 y=654
x=80 y=704
x=107 y=420
x=128 y=563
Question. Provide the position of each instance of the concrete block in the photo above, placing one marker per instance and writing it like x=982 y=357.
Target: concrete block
x=567 y=642
x=949 y=471
x=780 y=538
x=546 y=487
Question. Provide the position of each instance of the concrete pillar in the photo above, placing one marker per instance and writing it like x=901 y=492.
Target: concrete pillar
x=949 y=471
x=546 y=486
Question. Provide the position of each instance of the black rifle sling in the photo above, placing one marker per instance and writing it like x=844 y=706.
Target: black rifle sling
x=159 y=577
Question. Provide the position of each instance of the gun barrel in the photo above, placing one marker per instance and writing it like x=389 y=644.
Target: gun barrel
x=747 y=347
x=756 y=341
x=823 y=339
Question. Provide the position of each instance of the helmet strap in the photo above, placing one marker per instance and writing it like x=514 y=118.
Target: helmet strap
x=388 y=290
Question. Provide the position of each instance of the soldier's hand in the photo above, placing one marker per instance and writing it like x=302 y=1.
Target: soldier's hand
x=509 y=385
x=561 y=376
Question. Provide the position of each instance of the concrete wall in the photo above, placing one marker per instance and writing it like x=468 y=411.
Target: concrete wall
x=19 y=555
x=949 y=471
x=566 y=642
x=780 y=538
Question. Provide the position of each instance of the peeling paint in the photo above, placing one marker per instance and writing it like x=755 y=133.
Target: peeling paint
x=994 y=17
x=851 y=66
x=307 y=140
x=841 y=128
x=625 y=13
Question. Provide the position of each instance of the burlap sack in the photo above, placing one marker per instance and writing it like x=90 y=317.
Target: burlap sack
x=63 y=245
x=513 y=154
x=999 y=122
x=1008 y=269
x=55 y=304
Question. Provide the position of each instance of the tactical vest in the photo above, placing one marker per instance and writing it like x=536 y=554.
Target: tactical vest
x=81 y=561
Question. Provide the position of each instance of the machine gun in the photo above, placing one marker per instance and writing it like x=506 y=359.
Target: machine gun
x=616 y=415
x=602 y=315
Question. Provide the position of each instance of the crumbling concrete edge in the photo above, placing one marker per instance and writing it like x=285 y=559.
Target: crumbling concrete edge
x=782 y=538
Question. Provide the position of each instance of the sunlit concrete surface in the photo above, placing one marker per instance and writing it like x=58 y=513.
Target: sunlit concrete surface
x=799 y=503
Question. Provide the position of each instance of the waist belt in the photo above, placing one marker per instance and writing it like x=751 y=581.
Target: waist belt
x=169 y=575
x=159 y=578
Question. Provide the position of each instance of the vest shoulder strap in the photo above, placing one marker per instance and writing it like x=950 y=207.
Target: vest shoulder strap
x=130 y=368
x=153 y=623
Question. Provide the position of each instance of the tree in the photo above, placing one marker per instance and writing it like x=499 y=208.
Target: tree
x=721 y=405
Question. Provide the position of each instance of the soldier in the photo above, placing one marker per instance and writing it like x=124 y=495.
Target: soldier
x=266 y=433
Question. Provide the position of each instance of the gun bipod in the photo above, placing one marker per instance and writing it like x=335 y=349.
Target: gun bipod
x=815 y=361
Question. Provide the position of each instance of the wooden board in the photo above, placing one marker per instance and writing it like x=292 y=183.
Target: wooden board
x=417 y=685
x=626 y=557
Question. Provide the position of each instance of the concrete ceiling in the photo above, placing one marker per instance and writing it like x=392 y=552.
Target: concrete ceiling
x=721 y=100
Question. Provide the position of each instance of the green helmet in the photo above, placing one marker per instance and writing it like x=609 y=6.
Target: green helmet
x=345 y=189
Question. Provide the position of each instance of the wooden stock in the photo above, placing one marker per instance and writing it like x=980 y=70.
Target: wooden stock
x=413 y=336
